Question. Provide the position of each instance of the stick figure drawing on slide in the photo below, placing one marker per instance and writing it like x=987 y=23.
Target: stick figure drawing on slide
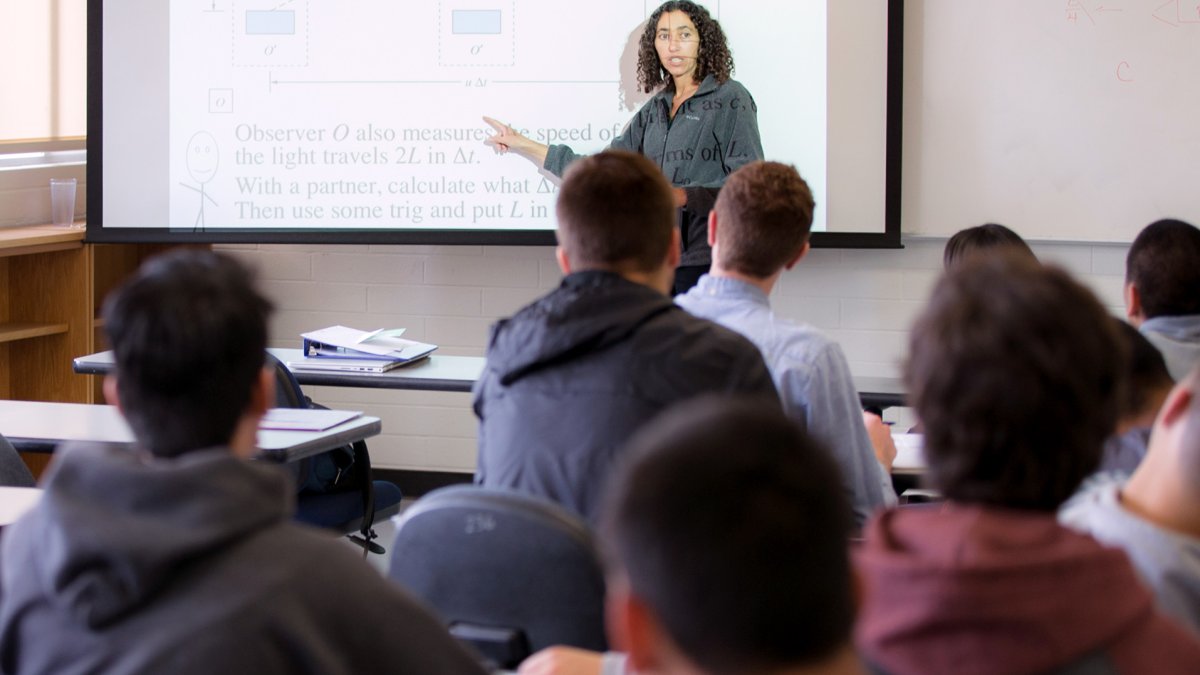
x=202 y=160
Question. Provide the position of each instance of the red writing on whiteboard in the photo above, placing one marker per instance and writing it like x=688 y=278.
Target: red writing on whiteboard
x=1174 y=13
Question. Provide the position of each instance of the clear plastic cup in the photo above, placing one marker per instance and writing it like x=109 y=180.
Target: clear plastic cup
x=62 y=201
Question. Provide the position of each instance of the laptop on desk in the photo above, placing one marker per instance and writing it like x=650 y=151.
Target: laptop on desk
x=344 y=365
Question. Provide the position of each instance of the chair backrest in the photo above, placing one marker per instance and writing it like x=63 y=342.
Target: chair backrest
x=13 y=472
x=288 y=393
x=508 y=572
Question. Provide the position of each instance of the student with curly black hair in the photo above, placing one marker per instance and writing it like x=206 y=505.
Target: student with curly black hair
x=698 y=127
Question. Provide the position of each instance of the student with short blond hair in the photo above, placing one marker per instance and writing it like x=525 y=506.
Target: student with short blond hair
x=758 y=230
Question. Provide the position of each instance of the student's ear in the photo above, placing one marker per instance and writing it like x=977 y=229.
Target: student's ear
x=1133 y=305
x=110 y=391
x=798 y=257
x=262 y=396
x=712 y=228
x=633 y=630
x=1181 y=398
x=858 y=589
x=564 y=263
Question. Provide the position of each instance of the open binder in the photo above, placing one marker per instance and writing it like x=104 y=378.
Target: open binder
x=342 y=348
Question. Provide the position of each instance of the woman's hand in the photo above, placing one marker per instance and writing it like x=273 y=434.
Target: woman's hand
x=507 y=139
x=680 y=197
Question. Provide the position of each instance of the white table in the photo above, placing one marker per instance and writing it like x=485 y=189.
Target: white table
x=40 y=426
x=436 y=373
x=910 y=454
x=458 y=373
x=15 y=501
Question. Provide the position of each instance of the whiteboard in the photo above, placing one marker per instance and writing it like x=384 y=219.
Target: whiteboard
x=1063 y=119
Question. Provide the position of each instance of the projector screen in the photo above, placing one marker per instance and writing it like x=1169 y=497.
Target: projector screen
x=311 y=121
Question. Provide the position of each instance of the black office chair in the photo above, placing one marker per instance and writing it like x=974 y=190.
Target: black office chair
x=13 y=472
x=509 y=573
x=346 y=511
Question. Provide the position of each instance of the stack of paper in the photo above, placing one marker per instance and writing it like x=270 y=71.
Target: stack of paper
x=340 y=348
x=305 y=419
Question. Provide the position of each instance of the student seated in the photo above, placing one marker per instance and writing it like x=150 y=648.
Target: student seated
x=1155 y=516
x=1147 y=384
x=178 y=555
x=720 y=561
x=982 y=239
x=570 y=377
x=759 y=229
x=1162 y=291
x=1013 y=370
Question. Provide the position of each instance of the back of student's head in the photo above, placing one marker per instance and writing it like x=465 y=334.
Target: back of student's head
x=616 y=212
x=188 y=332
x=1163 y=263
x=764 y=215
x=731 y=525
x=1015 y=371
x=1146 y=373
x=980 y=240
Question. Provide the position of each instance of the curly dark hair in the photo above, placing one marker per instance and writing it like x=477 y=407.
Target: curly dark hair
x=714 y=58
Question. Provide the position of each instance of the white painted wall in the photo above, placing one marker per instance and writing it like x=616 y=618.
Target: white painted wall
x=450 y=295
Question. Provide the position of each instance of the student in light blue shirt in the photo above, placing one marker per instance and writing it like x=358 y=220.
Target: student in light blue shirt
x=758 y=229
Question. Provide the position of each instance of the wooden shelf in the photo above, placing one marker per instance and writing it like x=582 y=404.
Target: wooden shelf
x=12 y=332
x=29 y=239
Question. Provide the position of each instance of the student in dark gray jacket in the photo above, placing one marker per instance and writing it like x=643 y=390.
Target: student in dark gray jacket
x=178 y=555
x=698 y=128
x=571 y=376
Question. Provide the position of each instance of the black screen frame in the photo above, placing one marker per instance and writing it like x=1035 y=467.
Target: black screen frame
x=97 y=233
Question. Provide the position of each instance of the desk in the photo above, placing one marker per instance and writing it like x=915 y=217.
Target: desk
x=910 y=455
x=15 y=501
x=458 y=373
x=436 y=373
x=39 y=427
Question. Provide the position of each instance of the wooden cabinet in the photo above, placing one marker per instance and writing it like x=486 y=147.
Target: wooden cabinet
x=46 y=313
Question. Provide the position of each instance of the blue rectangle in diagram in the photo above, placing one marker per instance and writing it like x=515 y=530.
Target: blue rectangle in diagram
x=270 y=22
x=475 y=21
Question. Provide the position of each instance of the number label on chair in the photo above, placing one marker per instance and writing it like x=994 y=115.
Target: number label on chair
x=480 y=522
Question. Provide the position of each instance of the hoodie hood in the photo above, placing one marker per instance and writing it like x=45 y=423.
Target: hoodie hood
x=965 y=589
x=1178 y=338
x=589 y=312
x=113 y=525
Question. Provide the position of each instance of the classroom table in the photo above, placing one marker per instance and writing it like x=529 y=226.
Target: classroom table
x=15 y=501
x=37 y=426
x=910 y=454
x=458 y=373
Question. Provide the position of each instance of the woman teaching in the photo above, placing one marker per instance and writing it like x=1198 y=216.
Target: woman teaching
x=699 y=127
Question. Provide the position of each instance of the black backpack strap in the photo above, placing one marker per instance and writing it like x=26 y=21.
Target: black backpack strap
x=361 y=470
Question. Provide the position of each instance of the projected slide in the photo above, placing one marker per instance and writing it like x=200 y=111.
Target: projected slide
x=367 y=114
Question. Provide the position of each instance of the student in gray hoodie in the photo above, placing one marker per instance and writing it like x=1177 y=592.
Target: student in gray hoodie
x=177 y=555
x=698 y=128
x=1162 y=291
